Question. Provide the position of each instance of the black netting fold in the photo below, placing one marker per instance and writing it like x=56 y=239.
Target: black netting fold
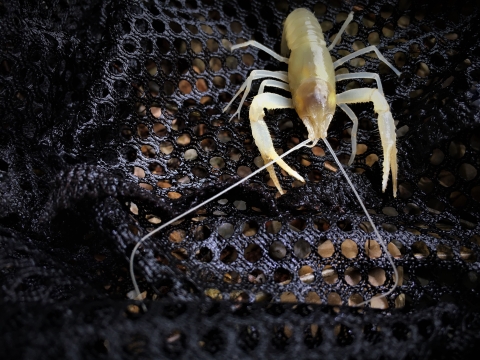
x=214 y=329
x=111 y=123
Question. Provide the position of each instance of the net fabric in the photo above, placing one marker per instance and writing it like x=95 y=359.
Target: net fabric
x=215 y=330
x=111 y=122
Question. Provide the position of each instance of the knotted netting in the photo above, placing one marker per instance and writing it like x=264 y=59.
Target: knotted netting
x=111 y=124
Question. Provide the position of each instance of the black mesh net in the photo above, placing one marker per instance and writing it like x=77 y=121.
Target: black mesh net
x=111 y=123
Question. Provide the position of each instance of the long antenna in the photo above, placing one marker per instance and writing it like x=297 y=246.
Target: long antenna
x=304 y=143
x=132 y=256
x=379 y=237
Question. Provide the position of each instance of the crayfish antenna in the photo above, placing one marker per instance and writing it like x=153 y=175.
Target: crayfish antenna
x=195 y=208
x=379 y=237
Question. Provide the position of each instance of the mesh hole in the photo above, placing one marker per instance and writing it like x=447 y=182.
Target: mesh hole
x=148 y=151
x=224 y=136
x=297 y=225
x=190 y=154
x=345 y=225
x=156 y=169
x=376 y=276
x=388 y=30
x=458 y=200
x=201 y=85
x=352 y=276
x=232 y=63
x=257 y=277
x=333 y=299
x=248 y=60
x=219 y=82
x=214 y=294
x=456 y=149
x=426 y=185
x=475 y=193
x=379 y=302
x=313 y=298
x=226 y=230
x=326 y=249
x=138 y=172
x=198 y=65
x=467 y=172
x=236 y=27
x=163 y=45
x=446 y=178
x=444 y=252
x=174 y=195
x=200 y=172
x=212 y=45
x=288 y=297
x=253 y=253
x=373 y=38
x=206 y=29
x=329 y=275
x=306 y=274
x=301 y=249
x=164 y=184
x=420 y=250
x=196 y=46
x=217 y=162
x=396 y=249
x=192 y=28
x=208 y=144
x=412 y=209
x=315 y=176
x=151 y=67
x=201 y=233
x=232 y=277
x=204 y=254
x=215 y=64
x=321 y=224
x=349 y=249
x=277 y=250
x=282 y=276
x=403 y=22
x=250 y=228
x=355 y=299
x=183 y=139
x=326 y=25
x=467 y=255
x=156 y=111
x=273 y=227
x=180 y=254
x=373 y=249
x=262 y=296
x=471 y=280
x=228 y=255
x=282 y=5
x=146 y=186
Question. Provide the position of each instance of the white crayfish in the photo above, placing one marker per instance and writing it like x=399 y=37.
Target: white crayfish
x=311 y=81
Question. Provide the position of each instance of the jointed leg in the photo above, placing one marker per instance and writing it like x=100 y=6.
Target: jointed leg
x=262 y=137
x=254 y=75
x=386 y=126
x=272 y=83
x=362 y=75
x=365 y=51
x=349 y=112
x=342 y=30
x=354 y=119
x=261 y=47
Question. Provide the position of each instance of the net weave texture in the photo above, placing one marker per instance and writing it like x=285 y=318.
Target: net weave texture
x=111 y=123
